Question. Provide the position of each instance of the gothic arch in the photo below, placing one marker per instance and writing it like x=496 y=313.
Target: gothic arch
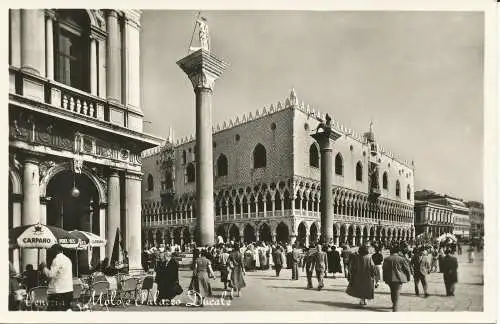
x=15 y=178
x=98 y=182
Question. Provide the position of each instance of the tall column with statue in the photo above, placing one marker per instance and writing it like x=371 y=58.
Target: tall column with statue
x=203 y=68
x=325 y=135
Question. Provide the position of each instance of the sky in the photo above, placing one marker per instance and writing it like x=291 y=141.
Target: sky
x=417 y=75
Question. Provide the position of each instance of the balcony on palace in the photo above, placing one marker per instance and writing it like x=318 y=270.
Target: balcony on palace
x=63 y=101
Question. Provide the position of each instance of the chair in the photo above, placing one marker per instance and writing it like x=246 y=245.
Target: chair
x=127 y=290
x=77 y=292
x=147 y=284
x=37 y=298
x=96 y=291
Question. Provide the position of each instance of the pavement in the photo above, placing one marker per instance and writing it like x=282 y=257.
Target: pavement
x=266 y=292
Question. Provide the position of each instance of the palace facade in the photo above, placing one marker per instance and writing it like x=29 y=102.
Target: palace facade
x=75 y=125
x=267 y=183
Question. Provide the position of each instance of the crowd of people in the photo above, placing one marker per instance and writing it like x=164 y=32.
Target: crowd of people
x=364 y=267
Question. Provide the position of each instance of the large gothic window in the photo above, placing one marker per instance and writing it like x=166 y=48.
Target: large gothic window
x=359 y=171
x=385 y=182
x=190 y=173
x=184 y=159
x=259 y=157
x=151 y=184
x=72 y=48
x=398 y=189
x=169 y=181
x=222 y=166
x=339 y=164
x=313 y=156
x=408 y=192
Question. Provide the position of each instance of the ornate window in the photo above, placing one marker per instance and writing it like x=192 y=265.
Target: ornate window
x=339 y=164
x=169 y=181
x=150 y=183
x=359 y=171
x=222 y=166
x=259 y=157
x=184 y=157
x=190 y=173
x=408 y=192
x=398 y=189
x=313 y=156
x=385 y=182
x=72 y=48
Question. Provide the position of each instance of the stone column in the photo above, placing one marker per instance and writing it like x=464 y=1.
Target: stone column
x=132 y=63
x=49 y=46
x=307 y=240
x=242 y=236
x=33 y=41
x=113 y=210
x=42 y=254
x=337 y=238
x=113 y=58
x=102 y=229
x=93 y=66
x=16 y=221
x=325 y=135
x=133 y=220
x=15 y=36
x=31 y=203
x=203 y=68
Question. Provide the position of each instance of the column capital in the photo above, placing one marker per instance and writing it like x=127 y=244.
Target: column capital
x=202 y=68
x=133 y=175
x=325 y=135
x=50 y=14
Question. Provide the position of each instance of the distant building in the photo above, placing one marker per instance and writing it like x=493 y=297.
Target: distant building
x=476 y=219
x=267 y=183
x=461 y=213
x=433 y=219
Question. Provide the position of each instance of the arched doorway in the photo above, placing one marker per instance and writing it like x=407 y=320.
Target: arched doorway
x=282 y=233
x=365 y=235
x=186 y=235
x=234 y=233
x=350 y=234
x=358 y=236
x=343 y=234
x=335 y=233
x=265 y=233
x=301 y=234
x=249 y=234
x=150 y=240
x=177 y=235
x=221 y=232
x=158 y=238
x=313 y=233
x=69 y=211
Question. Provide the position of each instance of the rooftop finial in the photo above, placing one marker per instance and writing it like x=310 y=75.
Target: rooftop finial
x=293 y=98
x=371 y=126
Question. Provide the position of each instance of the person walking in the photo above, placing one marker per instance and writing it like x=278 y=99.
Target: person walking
x=167 y=277
x=346 y=253
x=377 y=259
x=470 y=254
x=223 y=261
x=320 y=265
x=307 y=264
x=449 y=269
x=435 y=258
x=396 y=271
x=237 y=270
x=203 y=271
x=362 y=273
x=60 y=275
x=421 y=268
x=295 y=258
x=278 y=260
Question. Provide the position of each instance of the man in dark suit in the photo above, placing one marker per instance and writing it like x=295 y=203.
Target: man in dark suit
x=396 y=271
x=421 y=268
x=308 y=264
x=319 y=264
x=449 y=267
x=295 y=262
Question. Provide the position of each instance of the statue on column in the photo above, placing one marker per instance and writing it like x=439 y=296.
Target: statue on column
x=202 y=34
